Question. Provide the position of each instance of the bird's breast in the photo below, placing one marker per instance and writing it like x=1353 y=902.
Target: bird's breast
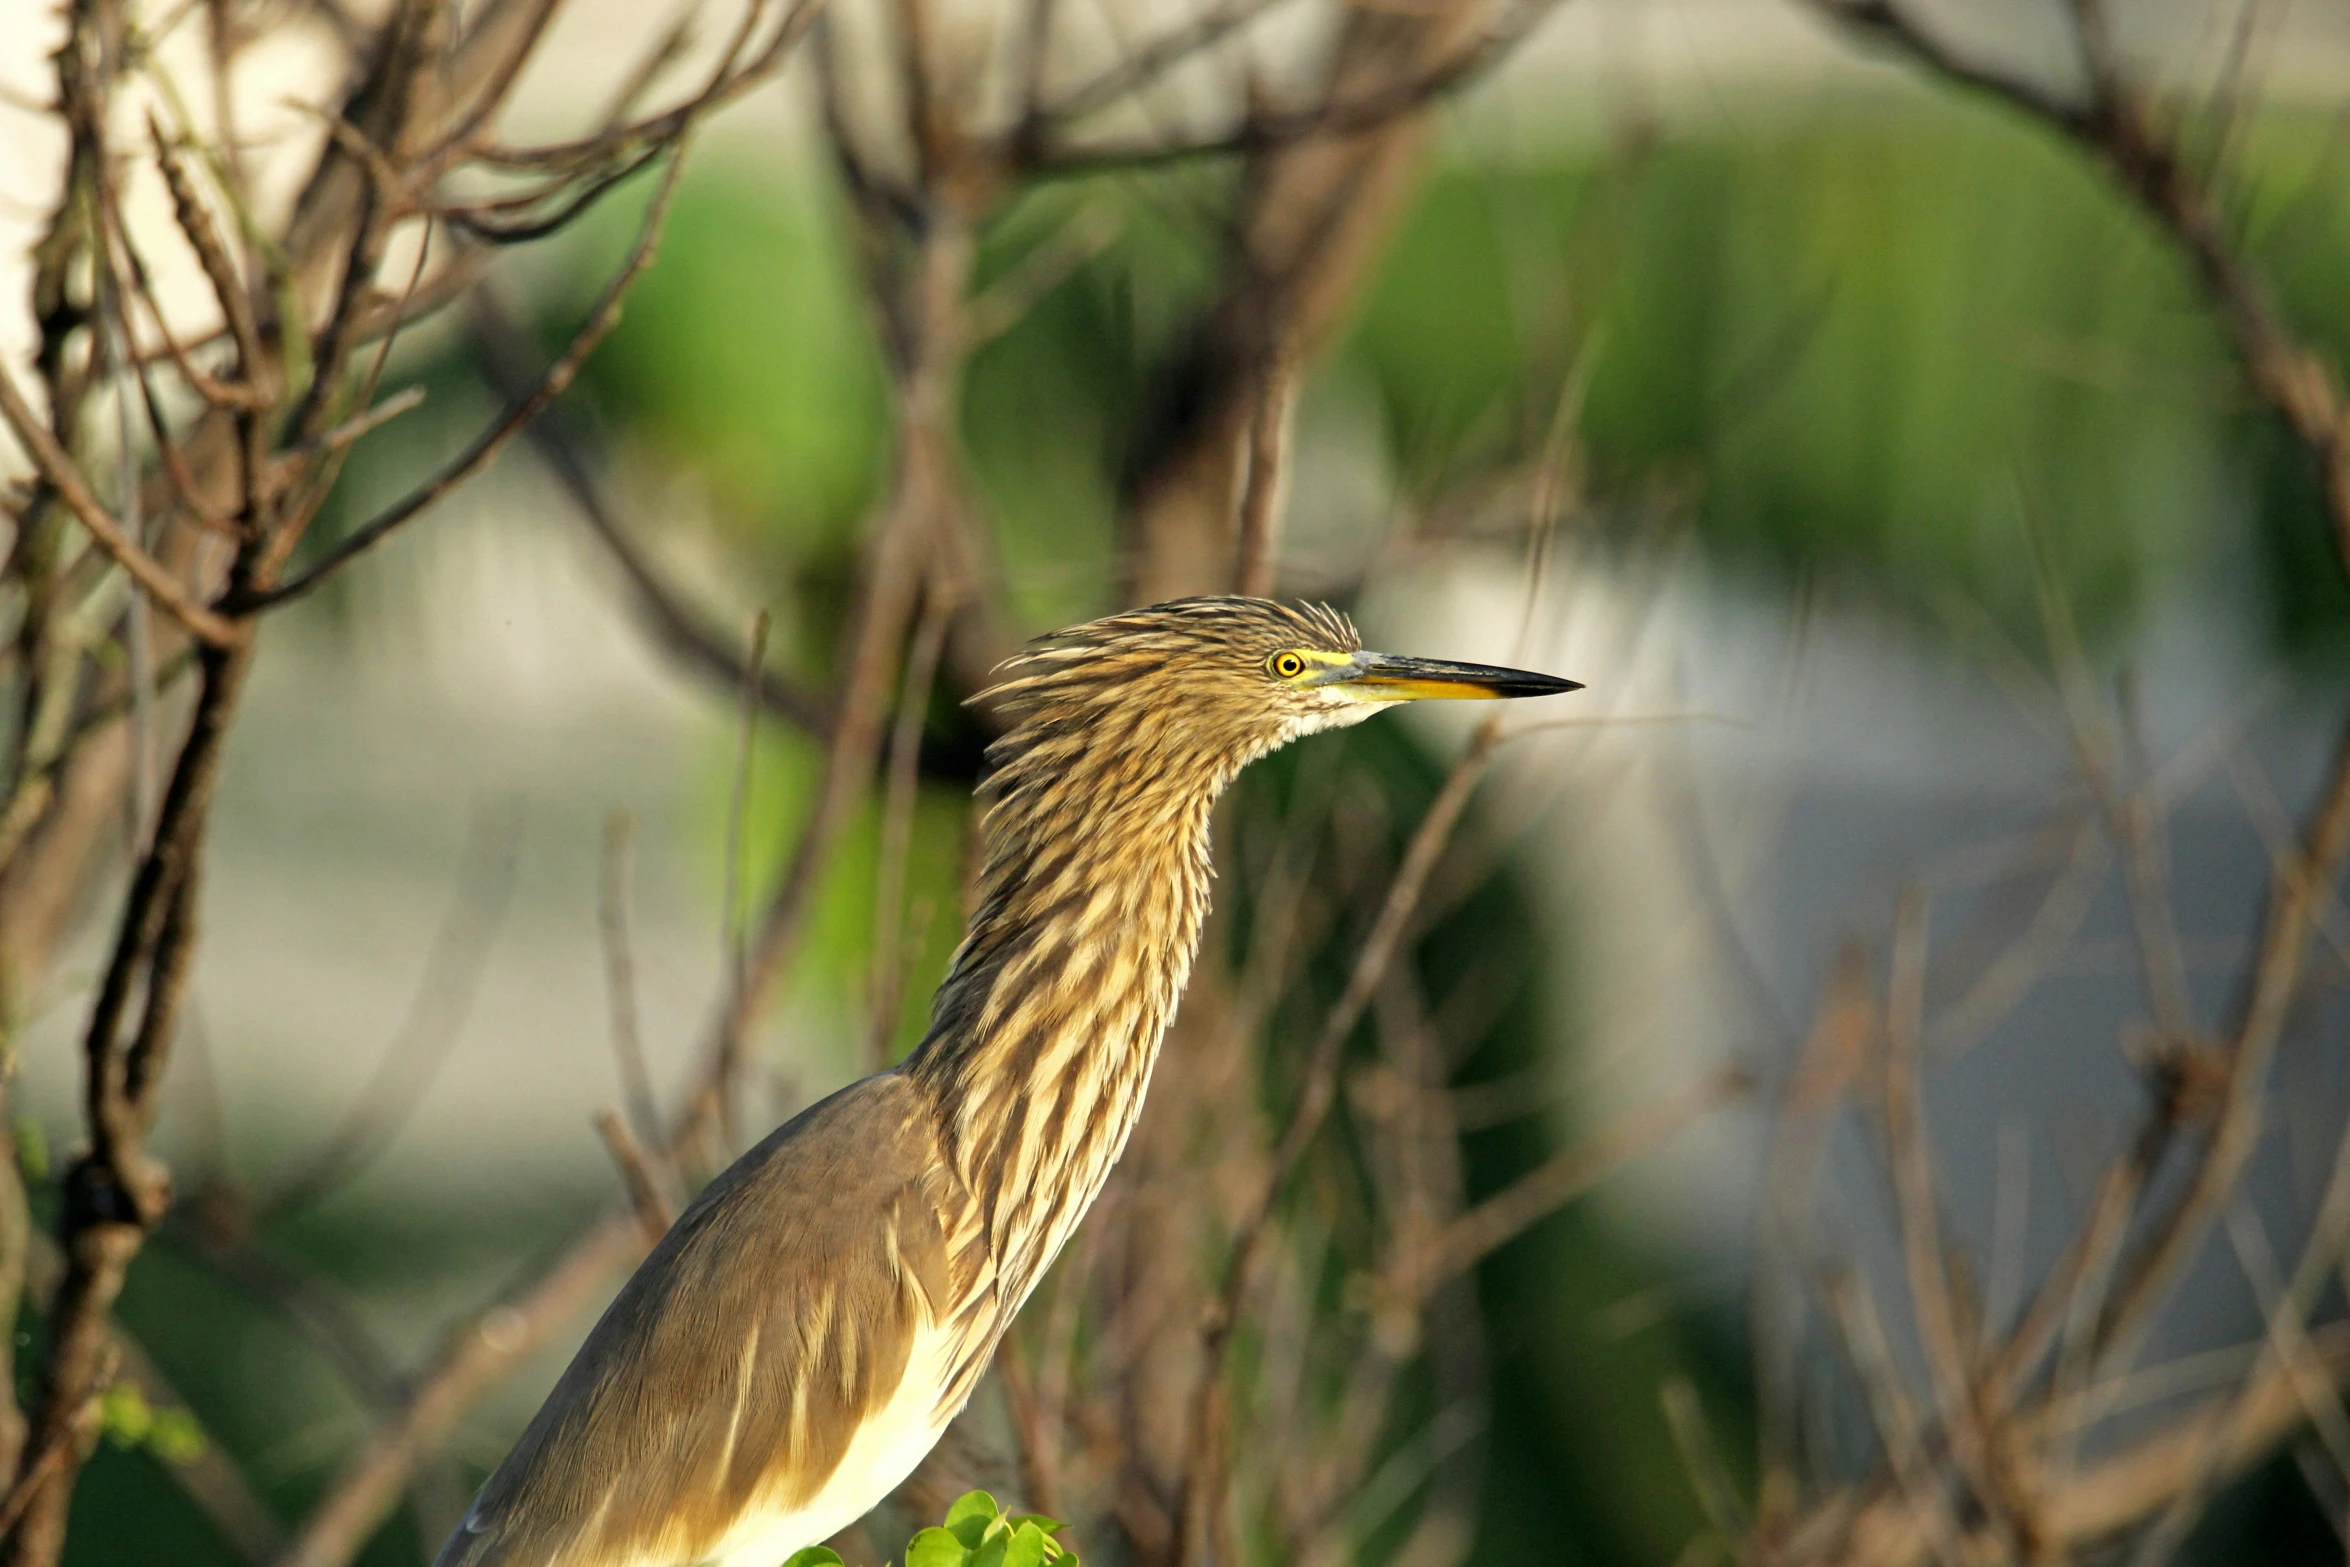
x=886 y=1448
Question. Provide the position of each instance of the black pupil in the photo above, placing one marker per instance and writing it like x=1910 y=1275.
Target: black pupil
x=1289 y=664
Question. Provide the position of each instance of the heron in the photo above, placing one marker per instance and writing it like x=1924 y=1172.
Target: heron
x=802 y=1335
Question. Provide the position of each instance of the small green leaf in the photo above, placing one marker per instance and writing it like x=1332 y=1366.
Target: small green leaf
x=176 y=1437
x=969 y=1518
x=936 y=1548
x=1047 y=1524
x=815 y=1556
x=1027 y=1547
x=32 y=1149
x=1055 y=1551
x=125 y=1416
x=992 y=1553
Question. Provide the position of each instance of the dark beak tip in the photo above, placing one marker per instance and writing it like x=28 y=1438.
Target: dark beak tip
x=1527 y=683
x=1460 y=680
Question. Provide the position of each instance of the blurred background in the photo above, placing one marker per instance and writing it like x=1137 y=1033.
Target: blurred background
x=1886 y=929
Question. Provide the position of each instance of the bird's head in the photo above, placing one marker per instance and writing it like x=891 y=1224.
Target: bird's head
x=1210 y=682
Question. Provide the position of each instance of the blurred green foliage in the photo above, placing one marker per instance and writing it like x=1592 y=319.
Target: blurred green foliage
x=1864 y=341
x=1879 y=344
x=746 y=361
x=1884 y=343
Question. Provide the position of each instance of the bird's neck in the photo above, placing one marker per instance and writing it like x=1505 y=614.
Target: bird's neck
x=1045 y=1030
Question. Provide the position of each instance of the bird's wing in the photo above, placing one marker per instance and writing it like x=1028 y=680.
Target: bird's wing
x=730 y=1376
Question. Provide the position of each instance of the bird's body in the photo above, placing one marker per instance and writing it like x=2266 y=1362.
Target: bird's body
x=806 y=1330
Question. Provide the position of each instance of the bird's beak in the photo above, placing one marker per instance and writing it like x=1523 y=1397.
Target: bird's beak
x=1389 y=677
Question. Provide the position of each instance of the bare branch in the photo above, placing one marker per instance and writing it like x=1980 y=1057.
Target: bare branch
x=152 y=576
x=1265 y=485
x=490 y=442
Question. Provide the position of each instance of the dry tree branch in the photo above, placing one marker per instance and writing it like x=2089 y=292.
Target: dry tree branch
x=1567 y=1174
x=1994 y=1476
x=921 y=494
x=885 y=993
x=647 y=1190
x=661 y=608
x=733 y=958
x=2297 y=892
x=1935 y=1307
x=2102 y=1499
x=628 y=1045
x=1265 y=483
x=1920 y=1499
x=473 y=1359
x=1201 y=1474
x=58 y=469
x=115 y=1193
x=1826 y=1065
x=2217 y=1089
x=478 y=1355
x=216 y=1485
x=491 y=441
x=428 y=1033
x=733 y=76
x=2113 y=767
x=1262 y=129
x=2004 y=981
x=1138 y=68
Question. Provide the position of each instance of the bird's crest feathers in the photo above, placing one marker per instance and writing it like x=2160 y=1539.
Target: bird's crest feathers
x=1063 y=672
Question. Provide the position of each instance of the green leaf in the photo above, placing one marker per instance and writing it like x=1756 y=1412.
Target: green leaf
x=815 y=1556
x=969 y=1518
x=125 y=1415
x=1027 y=1547
x=176 y=1438
x=1049 y=1525
x=992 y=1553
x=1054 y=1550
x=935 y=1548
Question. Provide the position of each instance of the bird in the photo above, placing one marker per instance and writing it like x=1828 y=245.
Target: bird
x=803 y=1333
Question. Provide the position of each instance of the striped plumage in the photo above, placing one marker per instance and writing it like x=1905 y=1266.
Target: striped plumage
x=797 y=1342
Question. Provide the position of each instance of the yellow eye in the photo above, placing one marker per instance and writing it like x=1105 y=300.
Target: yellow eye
x=1286 y=666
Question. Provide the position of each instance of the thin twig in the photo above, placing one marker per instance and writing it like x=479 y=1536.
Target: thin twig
x=2296 y=892
x=675 y=626
x=885 y=995
x=58 y=469
x=647 y=1191
x=1201 y=1472
x=1565 y=1175
x=731 y=954
x=485 y=446
x=435 y=1020
x=628 y=1046
x=474 y=1358
x=1264 y=488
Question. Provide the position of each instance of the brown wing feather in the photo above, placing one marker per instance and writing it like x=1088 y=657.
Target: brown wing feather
x=772 y=1320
